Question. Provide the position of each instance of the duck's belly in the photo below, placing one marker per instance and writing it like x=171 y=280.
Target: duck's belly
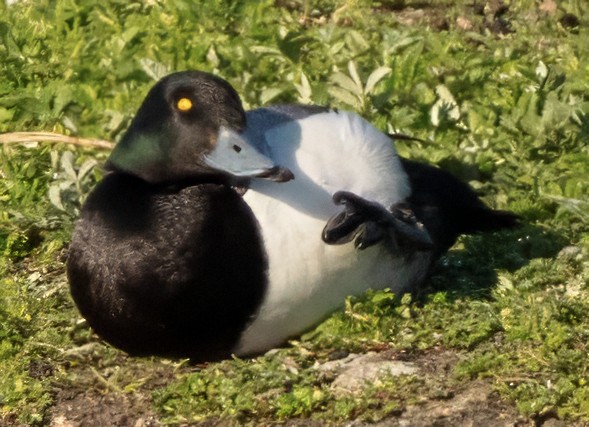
x=308 y=279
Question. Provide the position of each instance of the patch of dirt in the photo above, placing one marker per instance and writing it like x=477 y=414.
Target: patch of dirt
x=10 y=420
x=481 y=16
x=474 y=405
x=91 y=400
x=434 y=16
x=447 y=404
x=94 y=409
x=117 y=394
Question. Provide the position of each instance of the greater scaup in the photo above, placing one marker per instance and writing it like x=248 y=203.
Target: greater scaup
x=220 y=232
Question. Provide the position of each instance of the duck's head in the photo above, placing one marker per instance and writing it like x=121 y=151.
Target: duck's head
x=190 y=127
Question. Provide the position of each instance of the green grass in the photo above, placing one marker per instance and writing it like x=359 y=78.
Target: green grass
x=507 y=111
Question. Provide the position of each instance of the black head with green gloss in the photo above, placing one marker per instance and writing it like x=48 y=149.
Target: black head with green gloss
x=187 y=119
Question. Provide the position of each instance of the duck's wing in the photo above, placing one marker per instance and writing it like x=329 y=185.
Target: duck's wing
x=267 y=117
x=261 y=120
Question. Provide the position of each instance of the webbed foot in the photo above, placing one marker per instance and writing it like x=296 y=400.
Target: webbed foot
x=368 y=223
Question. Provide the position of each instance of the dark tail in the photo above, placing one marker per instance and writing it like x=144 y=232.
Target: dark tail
x=448 y=207
x=485 y=219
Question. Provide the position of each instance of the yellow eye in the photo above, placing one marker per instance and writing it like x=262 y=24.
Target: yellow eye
x=184 y=104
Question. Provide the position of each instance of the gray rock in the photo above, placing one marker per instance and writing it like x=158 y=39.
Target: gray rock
x=356 y=371
x=570 y=252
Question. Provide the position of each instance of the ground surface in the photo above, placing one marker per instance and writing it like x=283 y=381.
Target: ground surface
x=496 y=91
x=474 y=404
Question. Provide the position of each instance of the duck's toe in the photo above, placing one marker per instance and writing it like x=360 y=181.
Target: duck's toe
x=408 y=229
x=368 y=223
x=341 y=227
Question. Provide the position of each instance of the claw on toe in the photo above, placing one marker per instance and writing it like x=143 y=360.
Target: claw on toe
x=371 y=234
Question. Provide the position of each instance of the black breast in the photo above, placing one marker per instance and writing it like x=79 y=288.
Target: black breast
x=171 y=272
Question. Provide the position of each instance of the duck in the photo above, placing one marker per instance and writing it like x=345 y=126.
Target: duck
x=218 y=232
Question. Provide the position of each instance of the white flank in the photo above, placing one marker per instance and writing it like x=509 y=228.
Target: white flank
x=308 y=279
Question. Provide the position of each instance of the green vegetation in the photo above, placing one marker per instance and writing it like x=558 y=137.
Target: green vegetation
x=499 y=96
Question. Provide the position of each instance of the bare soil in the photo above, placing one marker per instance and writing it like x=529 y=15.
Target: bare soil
x=90 y=401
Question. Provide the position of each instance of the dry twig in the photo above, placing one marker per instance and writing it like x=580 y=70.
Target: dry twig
x=24 y=137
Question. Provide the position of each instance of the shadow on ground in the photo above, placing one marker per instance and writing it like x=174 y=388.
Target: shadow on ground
x=472 y=270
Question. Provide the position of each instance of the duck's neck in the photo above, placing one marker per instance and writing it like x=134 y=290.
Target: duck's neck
x=239 y=184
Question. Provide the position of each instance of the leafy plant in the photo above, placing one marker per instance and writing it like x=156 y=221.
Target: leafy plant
x=498 y=96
